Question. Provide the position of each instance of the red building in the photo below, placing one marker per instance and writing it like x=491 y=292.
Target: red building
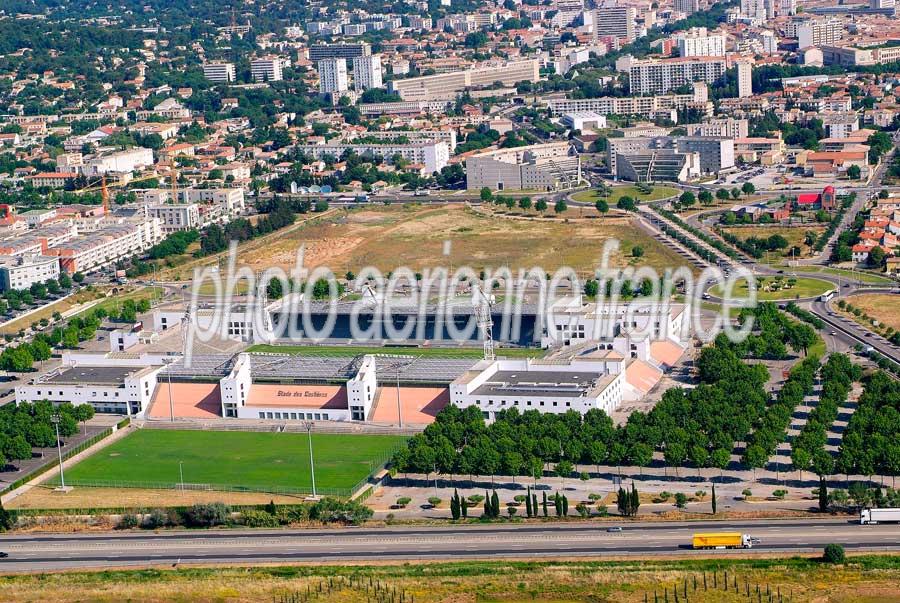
x=825 y=200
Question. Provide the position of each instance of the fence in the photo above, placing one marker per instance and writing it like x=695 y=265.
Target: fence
x=66 y=455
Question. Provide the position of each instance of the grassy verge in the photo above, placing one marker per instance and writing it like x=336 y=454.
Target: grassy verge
x=768 y=291
x=657 y=193
x=347 y=351
x=868 y=579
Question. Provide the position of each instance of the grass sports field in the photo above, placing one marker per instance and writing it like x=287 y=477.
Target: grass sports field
x=266 y=461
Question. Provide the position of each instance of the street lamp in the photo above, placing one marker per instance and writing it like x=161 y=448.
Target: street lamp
x=312 y=468
x=62 y=475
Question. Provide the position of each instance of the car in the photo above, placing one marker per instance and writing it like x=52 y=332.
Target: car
x=614 y=529
x=832 y=334
x=3 y=555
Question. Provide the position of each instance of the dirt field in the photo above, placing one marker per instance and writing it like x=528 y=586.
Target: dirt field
x=388 y=237
x=83 y=498
x=883 y=307
x=796 y=580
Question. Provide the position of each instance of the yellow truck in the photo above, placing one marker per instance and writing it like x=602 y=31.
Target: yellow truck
x=723 y=540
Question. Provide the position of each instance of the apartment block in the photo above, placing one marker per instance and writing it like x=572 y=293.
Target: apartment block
x=715 y=153
x=332 y=75
x=545 y=167
x=615 y=22
x=20 y=272
x=220 y=73
x=744 y=79
x=698 y=42
x=662 y=76
x=431 y=156
x=267 y=69
x=367 y=72
x=449 y=85
x=819 y=32
x=688 y=7
x=647 y=106
x=318 y=52
x=732 y=128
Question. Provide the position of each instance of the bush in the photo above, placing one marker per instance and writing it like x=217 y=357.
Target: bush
x=834 y=553
x=779 y=494
x=259 y=519
x=747 y=493
x=331 y=510
x=434 y=501
x=403 y=501
x=206 y=515
x=157 y=518
x=129 y=521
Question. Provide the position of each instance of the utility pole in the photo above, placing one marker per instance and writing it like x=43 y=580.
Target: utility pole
x=62 y=474
x=181 y=474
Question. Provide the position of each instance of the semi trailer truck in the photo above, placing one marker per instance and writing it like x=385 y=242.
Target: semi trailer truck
x=872 y=516
x=724 y=540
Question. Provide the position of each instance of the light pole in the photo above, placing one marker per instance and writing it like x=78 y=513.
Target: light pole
x=181 y=474
x=62 y=474
x=312 y=468
x=171 y=399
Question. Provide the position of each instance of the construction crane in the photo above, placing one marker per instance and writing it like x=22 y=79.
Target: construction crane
x=483 y=305
x=104 y=194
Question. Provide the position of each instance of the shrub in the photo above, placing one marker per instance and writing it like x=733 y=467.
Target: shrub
x=259 y=519
x=157 y=518
x=583 y=509
x=747 y=493
x=331 y=510
x=206 y=515
x=403 y=501
x=834 y=553
x=128 y=521
x=434 y=501
x=779 y=494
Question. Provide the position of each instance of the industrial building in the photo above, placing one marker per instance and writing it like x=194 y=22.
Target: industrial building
x=546 y=167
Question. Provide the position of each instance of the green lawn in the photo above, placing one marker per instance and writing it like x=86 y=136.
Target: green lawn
x=804 y=287
x=256 y=461
x=850 y=275
x=351 y=350
x=658 y=192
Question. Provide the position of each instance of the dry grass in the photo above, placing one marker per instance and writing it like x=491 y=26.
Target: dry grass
x=414 y=236
x=500 y=581
x=795 y=235
x=81 y=498
x=883 y=307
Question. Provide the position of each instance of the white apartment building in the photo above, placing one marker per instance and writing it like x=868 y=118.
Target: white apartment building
x=20 y=272
x=446 y=135
x=754 y=11
x=545 y=167
x=449 y=85
x=698 y=42
x=725 y=126
x=332 y=75
x=662 y=76
x=615 y=22
x=433 y=156
x=108 y=244
x=367 y=72
x=649 y=106
x=688 y=7
x=168 y=109
x=130 y=160
x=220 y=73
x=819 y=32
x=267 y=69
x=175 y=217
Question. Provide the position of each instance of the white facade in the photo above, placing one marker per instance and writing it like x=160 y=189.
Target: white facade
x=615 y=22
x=220 y=73
x=433 y=156
x=659 y=77
x=819 y=32
x=744 y=79
x=697 y=42
x=267 y=69
x=367 y=72
x=20 y=272
x=175 y=217
x=332 y=75
x=130 y=160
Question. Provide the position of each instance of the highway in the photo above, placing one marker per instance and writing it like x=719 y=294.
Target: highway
x=44 y=552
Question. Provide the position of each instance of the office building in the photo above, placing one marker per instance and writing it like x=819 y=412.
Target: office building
x=744 y=79
x=819 y=32
x=318 y=52
x=546 y=167
x=697 y=42
x=615 y=22
x=715 y=153
x=219 y=73
x=662 y=76
x=266 y=69
x=332 y=76
x=367 y=72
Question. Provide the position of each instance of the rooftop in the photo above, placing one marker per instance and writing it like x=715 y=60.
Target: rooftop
x=541 y=383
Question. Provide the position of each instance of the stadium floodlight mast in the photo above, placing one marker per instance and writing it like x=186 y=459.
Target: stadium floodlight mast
x=312 y=468
x=62 y=475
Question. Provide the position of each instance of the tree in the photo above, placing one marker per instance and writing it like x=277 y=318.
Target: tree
x=528 y=509
x=486 y=194
x=834 y=553
x=525 y=203
x=6 y=519
x=637 y=251
x=602 y=206
x=78 y=277
x=564 y=469
x=713 y=498
x=17 y=448
x=687 y=199
x=495 y=505
x=876 y=257
x=544 y=502
x=736 y=193
x=541 y=206
x=680 y=500
x=755 y=457
x=626 y=203
x=823 y=495
x=853 y=172
x=705 y=197
x=748 y=189
x=722 y=194
x=454 y=505
x=560 y=207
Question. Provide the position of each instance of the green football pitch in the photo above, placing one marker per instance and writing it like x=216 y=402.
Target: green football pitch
x=152 y=458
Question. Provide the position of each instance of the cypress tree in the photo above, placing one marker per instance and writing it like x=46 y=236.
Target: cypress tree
x=464 y=507
x=534 y=504
x=454 y=505
x=544 y=502
x=6 y=519
x=487 y=505
x=635 y=500
x=495 y=504
x=713 y=499
x=823 y=495
x=528 y=502
x=557 y=502
x=565 y=505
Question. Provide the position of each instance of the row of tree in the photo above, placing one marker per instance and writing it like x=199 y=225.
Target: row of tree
x=773 y=333
x=808 y=450
x=870 y=444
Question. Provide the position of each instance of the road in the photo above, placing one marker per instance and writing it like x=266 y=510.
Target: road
x=37 y=552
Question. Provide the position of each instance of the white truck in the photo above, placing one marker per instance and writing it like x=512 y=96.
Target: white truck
x=873 y=516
